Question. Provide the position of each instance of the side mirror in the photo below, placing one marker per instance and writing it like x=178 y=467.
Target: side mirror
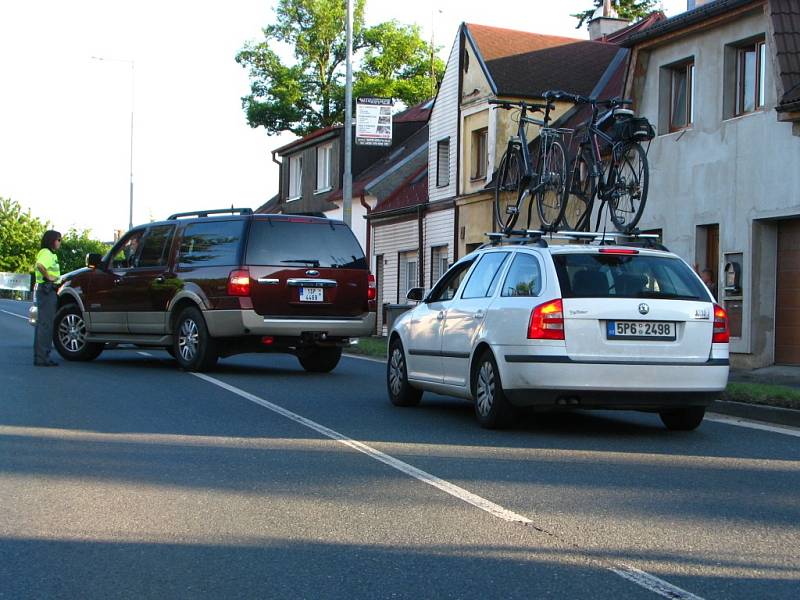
x=93 y=260
x=415 y=294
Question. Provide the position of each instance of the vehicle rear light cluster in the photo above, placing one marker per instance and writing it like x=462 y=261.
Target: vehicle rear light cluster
x=722 y=334
x=547 y=321
x=239 y=283
x=372 y=289
x=618 y=251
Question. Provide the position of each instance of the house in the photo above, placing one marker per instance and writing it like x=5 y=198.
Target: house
x=312 y=170
x=722 y=84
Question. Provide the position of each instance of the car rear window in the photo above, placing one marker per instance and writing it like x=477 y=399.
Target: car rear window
x=314 y=244
x=627 y=276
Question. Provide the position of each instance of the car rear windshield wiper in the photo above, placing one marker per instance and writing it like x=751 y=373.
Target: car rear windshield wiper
x=306 y=261
x=666 y=296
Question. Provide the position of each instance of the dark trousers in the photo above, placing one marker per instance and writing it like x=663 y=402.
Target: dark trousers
x=46 y=301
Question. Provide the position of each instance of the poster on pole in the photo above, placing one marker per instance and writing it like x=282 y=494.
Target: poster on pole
x=374 y=121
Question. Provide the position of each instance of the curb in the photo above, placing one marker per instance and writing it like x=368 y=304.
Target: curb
x=757 y=412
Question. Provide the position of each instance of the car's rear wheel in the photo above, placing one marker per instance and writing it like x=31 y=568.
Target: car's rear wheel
x=320 y=360
x=401 y=393
x=69 y=335
x=683 y=419
x=194 y=348
x=492 y=408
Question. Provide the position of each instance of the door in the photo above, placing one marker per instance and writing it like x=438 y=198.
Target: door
x=787 y=302
x=464 y=318
x=150 y=285
x=424 y=343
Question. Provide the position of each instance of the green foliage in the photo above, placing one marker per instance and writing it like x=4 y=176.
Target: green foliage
x=309 y=94
x=20 y=237
x=626 y=9
x=75 y=245
x=759 y=393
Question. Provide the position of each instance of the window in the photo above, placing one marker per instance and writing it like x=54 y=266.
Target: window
x=750 y=69
x=213 y=243
x=439 y=258
x=681 y=97
x=448 y=285
x=409 y=274
x=155 y=248
x=484 y=278
x=323 y=167
x=126 y=253
x=443 y=163
x=524 y=277
x=295 y=177
x=479 y=153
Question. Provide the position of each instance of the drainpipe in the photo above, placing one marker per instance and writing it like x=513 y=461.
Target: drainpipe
x=366 y=205
x=280 y=176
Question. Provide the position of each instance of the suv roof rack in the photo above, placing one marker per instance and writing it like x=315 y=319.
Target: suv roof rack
x=537 y=237
x=216 y=211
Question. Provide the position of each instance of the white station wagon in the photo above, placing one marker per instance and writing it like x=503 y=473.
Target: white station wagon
x=518 y=323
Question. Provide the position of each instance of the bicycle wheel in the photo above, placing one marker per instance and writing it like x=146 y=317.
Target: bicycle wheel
x=551 y=196
x=508 y=190
x=629 y=191
x=580 y=192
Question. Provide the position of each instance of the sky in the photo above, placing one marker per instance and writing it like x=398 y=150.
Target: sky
x=65 y=117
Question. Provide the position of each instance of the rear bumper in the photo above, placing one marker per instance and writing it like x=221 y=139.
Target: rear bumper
x=234 y=323
x=559 y=381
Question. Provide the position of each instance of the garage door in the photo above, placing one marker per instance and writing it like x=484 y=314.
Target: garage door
x=787 y=306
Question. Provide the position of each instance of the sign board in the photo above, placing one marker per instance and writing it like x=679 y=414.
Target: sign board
x=374 y=121
x=15 y=281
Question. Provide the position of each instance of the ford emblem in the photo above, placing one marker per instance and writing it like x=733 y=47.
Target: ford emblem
x=312 y=273
x=644 y=309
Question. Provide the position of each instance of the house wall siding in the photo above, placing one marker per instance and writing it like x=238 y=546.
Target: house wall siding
x=443 y=125
x=438 y=231
x=391 y=237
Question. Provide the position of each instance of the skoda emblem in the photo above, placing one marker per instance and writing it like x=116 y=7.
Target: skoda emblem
x=312 y=273
x=644 y=309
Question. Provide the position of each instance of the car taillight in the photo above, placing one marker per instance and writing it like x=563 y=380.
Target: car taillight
x=372 y=289
x=239 y=283
x=722 y=334
x=618 y=251
x=547 y=322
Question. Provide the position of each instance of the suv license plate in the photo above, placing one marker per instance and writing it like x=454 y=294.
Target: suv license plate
x=640 y=330
x=311 y=294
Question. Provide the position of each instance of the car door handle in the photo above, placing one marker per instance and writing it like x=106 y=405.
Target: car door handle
x=478 y=315
x=159 y=279
x=440 y=316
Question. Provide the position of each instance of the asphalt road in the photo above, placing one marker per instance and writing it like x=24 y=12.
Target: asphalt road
x=125 y=477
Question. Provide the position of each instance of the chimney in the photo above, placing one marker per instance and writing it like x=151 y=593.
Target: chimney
x=606 y=21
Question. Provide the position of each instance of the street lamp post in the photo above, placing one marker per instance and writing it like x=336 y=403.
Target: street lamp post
x=133 y=83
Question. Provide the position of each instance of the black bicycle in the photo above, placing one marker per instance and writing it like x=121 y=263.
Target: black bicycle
x=609 y=164
x=519 y=177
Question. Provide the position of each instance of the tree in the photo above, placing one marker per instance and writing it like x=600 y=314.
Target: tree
x=309 y=94
x=626 y=9
x=20 y=237
x=75 y=245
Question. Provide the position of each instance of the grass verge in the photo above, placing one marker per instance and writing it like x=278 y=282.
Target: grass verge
x=374 y=346
x=760 y=393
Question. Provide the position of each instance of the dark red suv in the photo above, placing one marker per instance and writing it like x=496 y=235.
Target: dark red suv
x=205 y=285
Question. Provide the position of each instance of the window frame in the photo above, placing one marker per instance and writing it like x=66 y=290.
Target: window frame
x=480 y=154
x=442 y=171
x=541 y=275
x=443 y=266
x=758 y=47
x=295 y=190
x=686 y=68
x=325 y=150
x=402 y=269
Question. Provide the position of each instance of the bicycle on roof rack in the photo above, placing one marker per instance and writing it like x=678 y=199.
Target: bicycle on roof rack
x=609 y=164
x=543 y=177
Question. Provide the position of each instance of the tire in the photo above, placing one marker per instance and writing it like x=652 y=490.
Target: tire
x=580 y=192
x=683 y=419
x=69 y=335
x=629 y=193
x=551 y=199
x=492 y=408
x=194 y=348
x=320 y=360
x=508 y=189
x=400 y=391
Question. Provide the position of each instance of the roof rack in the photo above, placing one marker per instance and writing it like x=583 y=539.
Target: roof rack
x=216 y=211
x=537 y=237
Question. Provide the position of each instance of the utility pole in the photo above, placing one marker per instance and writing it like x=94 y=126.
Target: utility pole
x=347 y=184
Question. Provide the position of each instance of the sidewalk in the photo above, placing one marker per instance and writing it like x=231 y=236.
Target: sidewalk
x=773 y=375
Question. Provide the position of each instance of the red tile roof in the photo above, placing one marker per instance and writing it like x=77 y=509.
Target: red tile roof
x=420 y=112
x=497 y=42
x=412 y=193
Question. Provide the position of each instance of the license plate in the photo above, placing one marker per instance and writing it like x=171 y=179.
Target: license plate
x=640 y=330
x=311 y=294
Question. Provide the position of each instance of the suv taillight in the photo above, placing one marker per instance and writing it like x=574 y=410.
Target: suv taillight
x=547 y=321
x=239 y=283
x=372 y=290
x=721 y=334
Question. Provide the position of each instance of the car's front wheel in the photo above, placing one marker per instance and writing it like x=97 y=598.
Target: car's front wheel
x=194 y=348
x=492 y=408
x=69 y=335
x=683 y=419
x=401 y=393
x=320 y=360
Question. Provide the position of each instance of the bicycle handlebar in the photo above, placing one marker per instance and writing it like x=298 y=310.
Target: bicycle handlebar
x=578 y=99
x=508 y=105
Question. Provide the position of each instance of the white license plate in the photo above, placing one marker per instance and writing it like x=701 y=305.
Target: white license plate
x=311 y=294
x=640 y=330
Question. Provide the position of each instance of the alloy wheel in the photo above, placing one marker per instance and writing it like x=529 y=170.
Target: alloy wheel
x=72 y=332
x=188 y=340
x=396 y=370
x=485 y=388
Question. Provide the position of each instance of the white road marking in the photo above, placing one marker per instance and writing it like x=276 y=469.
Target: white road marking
x=14 y=314
x=739 y=422
x=369 y=358
x=640 y=578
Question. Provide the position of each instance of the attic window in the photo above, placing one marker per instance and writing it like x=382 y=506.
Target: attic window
x=466 y=61
x=443 y=162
